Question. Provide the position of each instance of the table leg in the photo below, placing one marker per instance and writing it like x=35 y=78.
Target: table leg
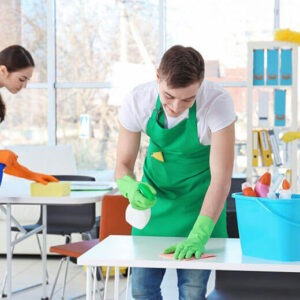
x=44 y=252
x=8 y=251
x=117 y=277
x=88 y=283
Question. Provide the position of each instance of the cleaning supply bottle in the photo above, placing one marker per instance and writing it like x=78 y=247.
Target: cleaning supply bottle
x=2 y=166
x=285 y=192
x=247 y=190
x=136 y=217
x=274 y=186
x=262 y=186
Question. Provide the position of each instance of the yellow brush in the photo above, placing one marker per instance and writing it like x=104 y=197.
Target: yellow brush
x=287 y=35
x=290 y=136
x=52 y=189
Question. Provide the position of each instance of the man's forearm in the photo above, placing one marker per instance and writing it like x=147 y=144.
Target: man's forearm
x=214 y=200
x=123 y=170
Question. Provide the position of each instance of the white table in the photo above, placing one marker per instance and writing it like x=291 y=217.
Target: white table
x=144 y=252
x=17 y=193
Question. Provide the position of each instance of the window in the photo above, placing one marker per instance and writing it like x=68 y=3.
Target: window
x=101 y=49
x=27 y=112
x=108 y=43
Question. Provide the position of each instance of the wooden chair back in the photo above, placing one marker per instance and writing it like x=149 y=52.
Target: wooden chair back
x=112 y=220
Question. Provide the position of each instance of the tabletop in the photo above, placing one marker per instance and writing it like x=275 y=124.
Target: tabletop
x=18 y=192
x=141 y=251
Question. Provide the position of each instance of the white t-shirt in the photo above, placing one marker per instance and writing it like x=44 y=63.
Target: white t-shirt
x=214 y=108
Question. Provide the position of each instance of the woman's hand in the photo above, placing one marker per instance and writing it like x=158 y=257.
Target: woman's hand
x=8 y=158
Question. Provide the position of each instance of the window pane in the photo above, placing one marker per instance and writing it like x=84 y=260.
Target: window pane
x=26 y=118
x=92 y=35
x=94 y=139
x=101 y=41
x=27 y=112
x=90 y=124
x=220 y=30
x=289 y=14
x=26 y=25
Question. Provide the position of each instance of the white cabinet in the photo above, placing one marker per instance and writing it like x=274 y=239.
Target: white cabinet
x=272 y=105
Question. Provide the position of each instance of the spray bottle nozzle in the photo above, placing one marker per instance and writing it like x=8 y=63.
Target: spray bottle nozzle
x=146 y=191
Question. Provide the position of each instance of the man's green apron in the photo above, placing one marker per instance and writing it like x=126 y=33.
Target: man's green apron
x=177 y=166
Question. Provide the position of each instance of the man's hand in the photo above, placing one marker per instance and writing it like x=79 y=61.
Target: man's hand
x=196 y=240
x=141 y=195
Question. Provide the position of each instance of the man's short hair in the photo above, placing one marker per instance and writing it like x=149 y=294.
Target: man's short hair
x=181 y=66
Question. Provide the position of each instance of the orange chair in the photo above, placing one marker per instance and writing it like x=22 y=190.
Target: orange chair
x=112 y=222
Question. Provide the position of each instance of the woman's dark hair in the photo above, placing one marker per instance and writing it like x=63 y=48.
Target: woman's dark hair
x=181 y=66
x=2 y=109
x=14 y=58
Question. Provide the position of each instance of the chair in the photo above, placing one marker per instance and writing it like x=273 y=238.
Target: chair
x=62 y=220
x=236 y=285
x=232 y=227
x=37 y=158
x=112 y=222
x=66 y=219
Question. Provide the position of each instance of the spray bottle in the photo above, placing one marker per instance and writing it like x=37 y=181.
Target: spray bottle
x=139 y=218
x=274 y=186
x=248 y=190
x=286 y=192
x=262 y=186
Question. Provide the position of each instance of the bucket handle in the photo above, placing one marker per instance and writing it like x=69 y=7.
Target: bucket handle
x=271 y=212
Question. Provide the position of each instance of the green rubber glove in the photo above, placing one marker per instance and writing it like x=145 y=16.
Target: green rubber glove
x=141 y=195
x=196 y=240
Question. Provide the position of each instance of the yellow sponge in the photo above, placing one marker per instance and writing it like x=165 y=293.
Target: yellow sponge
x=52 y=189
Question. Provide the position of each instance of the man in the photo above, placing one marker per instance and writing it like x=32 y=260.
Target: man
x=188 y=166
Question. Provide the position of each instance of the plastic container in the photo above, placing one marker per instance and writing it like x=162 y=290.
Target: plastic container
x=140 y=218
x=137 y=218
x=269 y=228
x=2 y=166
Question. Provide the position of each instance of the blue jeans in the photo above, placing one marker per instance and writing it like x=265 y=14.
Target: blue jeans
x=192 y=284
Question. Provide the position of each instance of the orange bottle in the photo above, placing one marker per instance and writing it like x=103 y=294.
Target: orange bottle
x=263 y=185
x=285 y=193
x=248 y=190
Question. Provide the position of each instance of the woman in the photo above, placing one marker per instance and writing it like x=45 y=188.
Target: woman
x=16 y=68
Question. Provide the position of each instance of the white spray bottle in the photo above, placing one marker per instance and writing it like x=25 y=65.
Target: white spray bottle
x=136 y=217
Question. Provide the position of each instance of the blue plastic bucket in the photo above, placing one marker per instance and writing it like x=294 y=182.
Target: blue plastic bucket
x=269 y=228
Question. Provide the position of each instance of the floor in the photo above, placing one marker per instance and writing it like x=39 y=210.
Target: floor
x=27 y=270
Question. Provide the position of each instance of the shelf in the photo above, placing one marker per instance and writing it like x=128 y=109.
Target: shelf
x=257 y=70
